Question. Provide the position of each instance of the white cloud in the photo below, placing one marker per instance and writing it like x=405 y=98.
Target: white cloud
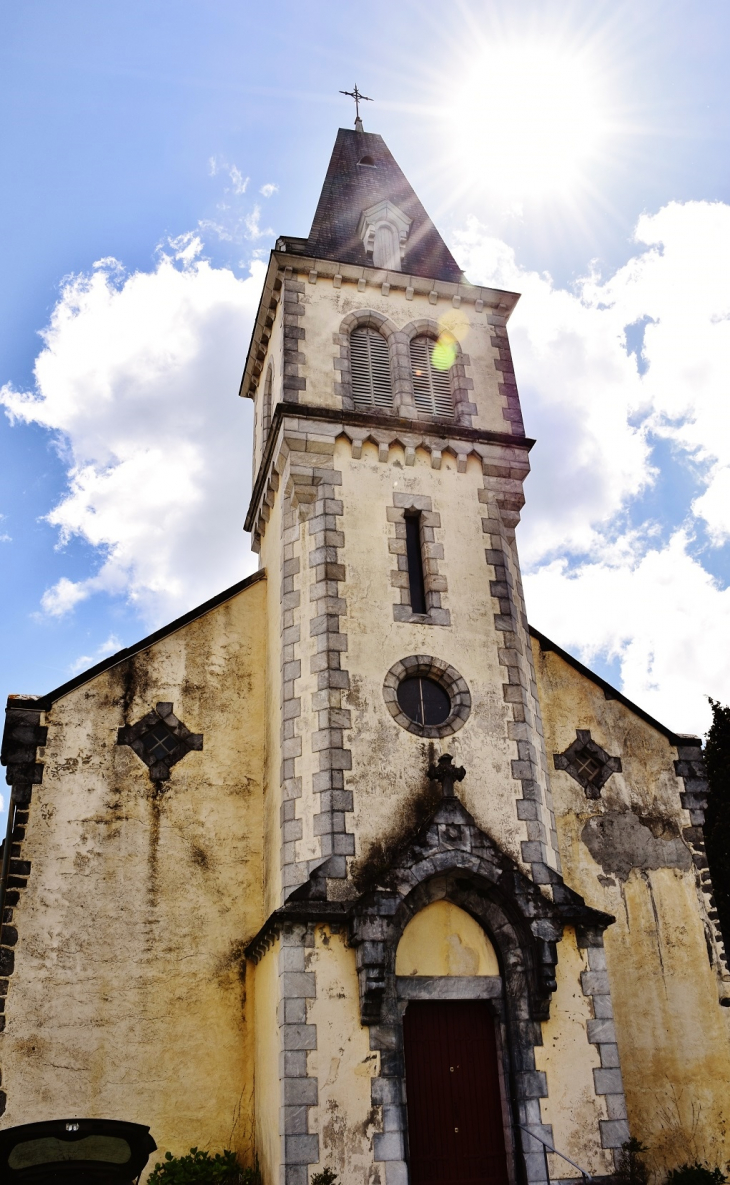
x=139 y=379
x=269 y=189
x=110 y=646
x=596 y=585
x=662 y=615
x=252 y=222
x=239 y=183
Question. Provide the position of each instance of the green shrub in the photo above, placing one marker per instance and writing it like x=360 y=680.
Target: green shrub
x=695 y=1174
x=326 y=1177
x=200 y=1168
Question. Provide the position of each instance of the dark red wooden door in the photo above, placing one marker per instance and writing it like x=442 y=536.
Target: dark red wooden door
x=455 y=1127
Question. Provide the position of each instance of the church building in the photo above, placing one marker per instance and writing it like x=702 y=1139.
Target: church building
x=351 y=867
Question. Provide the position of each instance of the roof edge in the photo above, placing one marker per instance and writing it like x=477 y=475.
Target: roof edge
x=610 y=692
x=43 y=702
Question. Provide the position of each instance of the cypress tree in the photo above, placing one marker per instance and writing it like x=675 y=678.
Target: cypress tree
x=717 y=819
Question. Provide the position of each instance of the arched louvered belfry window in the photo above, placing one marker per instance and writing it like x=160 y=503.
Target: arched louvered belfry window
x=370 y=368
x=431 y=386
x=266 y=412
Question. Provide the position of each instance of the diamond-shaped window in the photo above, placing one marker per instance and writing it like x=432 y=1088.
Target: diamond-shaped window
x=588 y=763
x=160 y=740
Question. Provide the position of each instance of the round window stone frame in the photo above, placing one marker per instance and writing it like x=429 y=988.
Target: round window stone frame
x=442 y=673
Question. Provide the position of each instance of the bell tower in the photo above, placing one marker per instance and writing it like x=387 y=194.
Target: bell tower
x=389 y=460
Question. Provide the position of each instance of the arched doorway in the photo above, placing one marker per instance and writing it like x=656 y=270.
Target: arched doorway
x=454 y=1103
x=445 y=967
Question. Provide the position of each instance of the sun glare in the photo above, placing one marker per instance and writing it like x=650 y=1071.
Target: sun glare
x=529 y=118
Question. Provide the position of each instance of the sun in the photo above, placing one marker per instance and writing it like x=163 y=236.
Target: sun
x=529 y=118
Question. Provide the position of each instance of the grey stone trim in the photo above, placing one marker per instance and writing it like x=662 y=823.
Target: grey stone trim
x=502 y=499
x=326 y=540
x=291 y=703
x=299 y=1090
x=432 y=551
x=23 y=735
x=451 y=844
x=511 y=411
x=584 y=743
x=187 y=742
x=448 y=987
x=293 y=308
x=690 y=768
x=601 y=1032
x=304 y=461
x=441 y=672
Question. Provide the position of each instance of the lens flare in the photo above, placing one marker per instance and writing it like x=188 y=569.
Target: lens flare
x=443 y=355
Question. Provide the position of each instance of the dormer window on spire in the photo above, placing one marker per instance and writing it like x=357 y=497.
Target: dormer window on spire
x=383 y=229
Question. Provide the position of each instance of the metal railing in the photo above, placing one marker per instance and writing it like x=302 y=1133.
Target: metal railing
x=549 y=1148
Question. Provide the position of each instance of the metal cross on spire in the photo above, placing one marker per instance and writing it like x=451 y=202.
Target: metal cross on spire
x=355 y=94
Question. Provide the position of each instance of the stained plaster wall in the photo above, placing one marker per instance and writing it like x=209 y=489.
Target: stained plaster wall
x=664 y=974
x=141 y=897
x=389 y=763
x=265 y=977
x=345 y=1118
x=568 y=1061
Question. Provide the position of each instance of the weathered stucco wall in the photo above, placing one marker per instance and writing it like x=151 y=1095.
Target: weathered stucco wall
x=345 y=1118
x=267 y=1064
x=568 y=1060
x=624 y=852
x=129 y=997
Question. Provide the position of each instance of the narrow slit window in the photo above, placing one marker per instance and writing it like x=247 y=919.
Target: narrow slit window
x=266 y=412
x=431 y=386
x=415 y=563
x=370 y=367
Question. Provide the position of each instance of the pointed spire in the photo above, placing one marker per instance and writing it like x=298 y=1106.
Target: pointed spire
x=361 y=174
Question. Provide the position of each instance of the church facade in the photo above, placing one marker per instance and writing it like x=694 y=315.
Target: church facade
x=351 y=867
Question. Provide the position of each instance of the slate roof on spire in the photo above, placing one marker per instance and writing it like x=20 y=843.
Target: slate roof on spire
x=350 y=187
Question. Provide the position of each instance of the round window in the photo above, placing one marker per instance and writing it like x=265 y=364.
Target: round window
x=424 y=701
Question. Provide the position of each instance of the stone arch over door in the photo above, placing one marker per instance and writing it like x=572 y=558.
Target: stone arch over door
x=452 y=859
x=517 y=1031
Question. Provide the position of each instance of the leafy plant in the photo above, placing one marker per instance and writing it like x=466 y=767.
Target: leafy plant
x=200 y=1168
x=695 y=1174
x=327 y=1177
x=717 y=817
x=631 y=1168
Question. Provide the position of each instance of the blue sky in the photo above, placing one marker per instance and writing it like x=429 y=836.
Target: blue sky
x=577 y=152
